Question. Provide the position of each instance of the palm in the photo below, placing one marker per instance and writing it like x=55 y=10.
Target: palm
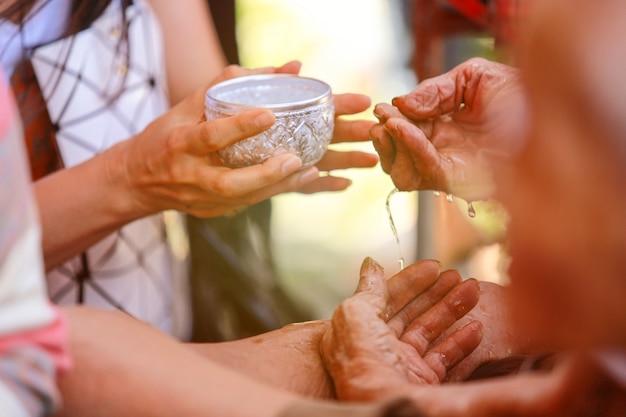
x=368 y=355
x=439 y=155
x=446 y=134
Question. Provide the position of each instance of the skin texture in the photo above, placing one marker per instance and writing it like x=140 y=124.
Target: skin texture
x=568 y=268
x=374 y=348
x=363 y=342
x=427 y=140
x=293 y=352
x=449 y=131
x=500 y=338
x=275 y=370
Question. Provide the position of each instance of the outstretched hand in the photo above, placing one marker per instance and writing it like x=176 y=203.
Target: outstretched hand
x=346 y=130
x=448 y=133
x=382 y=337
x=173 y=163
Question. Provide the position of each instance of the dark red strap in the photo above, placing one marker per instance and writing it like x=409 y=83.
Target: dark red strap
x=39 y=132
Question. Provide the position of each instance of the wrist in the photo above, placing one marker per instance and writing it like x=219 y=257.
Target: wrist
x=119 y=185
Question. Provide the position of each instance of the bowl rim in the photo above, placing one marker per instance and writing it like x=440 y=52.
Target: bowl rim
x=230 y=107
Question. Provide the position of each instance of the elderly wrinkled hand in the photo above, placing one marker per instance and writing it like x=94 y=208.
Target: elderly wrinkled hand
x=500 y=338
x=448 y=133
x=382 y=337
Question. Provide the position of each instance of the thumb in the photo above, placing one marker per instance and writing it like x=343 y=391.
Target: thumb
x=372 y=287
x=371 y=278
x=216 y=134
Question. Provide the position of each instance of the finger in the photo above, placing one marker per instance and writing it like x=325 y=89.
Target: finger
x=422 y=151
x=291 y=67
x=350 y=103
x=371 y=278
x=344 y=160
x=384 y=146
x=293 y=183
x=236 y=183
x=411 y=282
x=384 y=111
x=371 y=289
x=234 y=71
x=190 y=110
x=454 y=348
x=434 y=322
x=431 y=98
x=210 y=136
x=351 y=131
x=326 y=183
x=417 y=306
x=193 y=106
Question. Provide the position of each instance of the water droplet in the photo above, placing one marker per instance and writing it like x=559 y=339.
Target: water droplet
x=393 y=227
x=436 y=193
x=470 y=210
x=450 y=198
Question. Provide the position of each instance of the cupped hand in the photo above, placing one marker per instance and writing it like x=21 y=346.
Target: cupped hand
x=451 y=130
x=365 y=351
x=500 y=340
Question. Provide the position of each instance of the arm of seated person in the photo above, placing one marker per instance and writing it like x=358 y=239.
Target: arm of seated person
x=289 y=358
x=125 y=368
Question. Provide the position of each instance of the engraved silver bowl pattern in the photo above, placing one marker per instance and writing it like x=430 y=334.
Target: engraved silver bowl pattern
x=304 y=110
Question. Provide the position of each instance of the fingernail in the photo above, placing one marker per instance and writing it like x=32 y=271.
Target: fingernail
x=291 y=165
x=370 y=263
x=265 y=119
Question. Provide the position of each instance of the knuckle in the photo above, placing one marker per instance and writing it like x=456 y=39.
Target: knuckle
x=210 y=136
x=416 y=339
x=240 y=124
x=173 y=144
x=221 y=186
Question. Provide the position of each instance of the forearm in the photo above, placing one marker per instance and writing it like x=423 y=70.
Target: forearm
x=125 y=368
x=200 y=59
x=287 y=358
x=80 y=205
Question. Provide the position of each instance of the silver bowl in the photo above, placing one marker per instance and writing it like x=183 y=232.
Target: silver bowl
x=304 y=110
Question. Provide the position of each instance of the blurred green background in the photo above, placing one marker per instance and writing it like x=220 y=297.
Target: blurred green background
x=359 y=46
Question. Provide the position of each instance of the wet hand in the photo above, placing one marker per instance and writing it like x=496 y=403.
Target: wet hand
x=381 y=339
x=450 y=132
x=346 y=130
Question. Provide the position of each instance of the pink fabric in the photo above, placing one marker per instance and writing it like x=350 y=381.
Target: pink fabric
x=6 y=110
x=52 y=338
